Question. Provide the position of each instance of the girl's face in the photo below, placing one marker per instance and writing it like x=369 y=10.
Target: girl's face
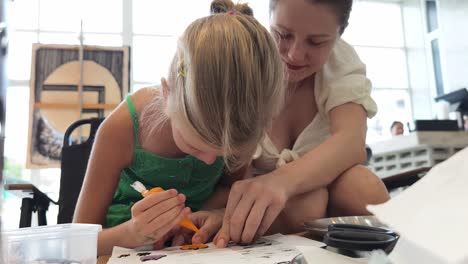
x=305 y=34
x=192 y=144
x=189 y=142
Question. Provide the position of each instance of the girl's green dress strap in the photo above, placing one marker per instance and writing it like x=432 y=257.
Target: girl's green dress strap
x=133 y=113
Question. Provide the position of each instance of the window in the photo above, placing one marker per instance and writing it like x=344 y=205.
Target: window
x=151 y=28
x=432 y=37
x=37 y=21
x=436 y=64
x=154 y=42
x=376 y=31
x=431 y=15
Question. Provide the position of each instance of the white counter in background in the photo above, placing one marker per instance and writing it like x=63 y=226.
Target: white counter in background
x=416 y=150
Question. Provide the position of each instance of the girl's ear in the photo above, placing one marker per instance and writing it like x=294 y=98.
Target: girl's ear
x=165 y=89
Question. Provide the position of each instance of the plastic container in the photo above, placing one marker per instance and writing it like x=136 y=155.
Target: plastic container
x=64 y=243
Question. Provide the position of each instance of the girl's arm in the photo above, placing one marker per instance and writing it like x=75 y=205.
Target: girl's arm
x=112 y=152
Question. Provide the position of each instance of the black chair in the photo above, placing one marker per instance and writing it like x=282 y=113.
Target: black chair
x=74 y=162
x=73 y=168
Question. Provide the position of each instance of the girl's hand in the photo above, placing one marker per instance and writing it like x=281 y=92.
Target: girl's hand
x=252 y=207
x=155 y=215
x=209 y=223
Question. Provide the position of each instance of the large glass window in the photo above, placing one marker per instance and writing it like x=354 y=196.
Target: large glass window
x=376 y=31
x=151 y=28
x=152 y=56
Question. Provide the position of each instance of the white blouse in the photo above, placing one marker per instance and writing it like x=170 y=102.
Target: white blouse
x=341 y=80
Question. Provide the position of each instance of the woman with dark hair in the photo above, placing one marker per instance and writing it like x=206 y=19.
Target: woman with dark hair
x=309 y=164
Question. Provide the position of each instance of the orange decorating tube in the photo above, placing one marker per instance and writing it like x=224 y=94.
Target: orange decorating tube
x=154 y=190
x=185 y=222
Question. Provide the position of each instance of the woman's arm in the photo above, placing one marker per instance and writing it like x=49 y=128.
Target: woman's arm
x=255 y=203
x=323 y=164
x=220 y=196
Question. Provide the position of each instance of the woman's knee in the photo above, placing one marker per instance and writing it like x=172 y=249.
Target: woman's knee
x=305 y=207
x=353 y=190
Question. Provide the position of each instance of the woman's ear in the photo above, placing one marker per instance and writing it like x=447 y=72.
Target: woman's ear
x=165 y=89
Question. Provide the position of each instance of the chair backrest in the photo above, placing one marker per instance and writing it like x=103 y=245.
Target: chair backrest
x=73 y=168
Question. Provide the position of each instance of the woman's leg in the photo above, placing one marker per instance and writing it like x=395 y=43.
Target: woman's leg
x=349 y=194
x=299 y=209
x=353 y=190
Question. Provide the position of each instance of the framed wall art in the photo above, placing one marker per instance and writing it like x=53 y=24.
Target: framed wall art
x=68 y=83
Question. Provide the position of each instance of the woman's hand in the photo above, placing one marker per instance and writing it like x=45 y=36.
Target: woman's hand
x=209 y=223
x=155 y=216
x=252 y=207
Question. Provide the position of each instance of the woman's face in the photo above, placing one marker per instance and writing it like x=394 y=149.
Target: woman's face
x=305 y=34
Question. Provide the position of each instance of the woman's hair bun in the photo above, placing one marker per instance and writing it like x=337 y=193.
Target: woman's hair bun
x=223 y=6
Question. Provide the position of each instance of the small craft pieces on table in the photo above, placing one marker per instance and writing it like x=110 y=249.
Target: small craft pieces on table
x=151 y=257
x=194 y=246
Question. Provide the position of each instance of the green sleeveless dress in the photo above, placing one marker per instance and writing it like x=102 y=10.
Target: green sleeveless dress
x=188 y=175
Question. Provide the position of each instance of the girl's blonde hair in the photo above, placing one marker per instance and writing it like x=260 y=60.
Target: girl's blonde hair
x=226 y=82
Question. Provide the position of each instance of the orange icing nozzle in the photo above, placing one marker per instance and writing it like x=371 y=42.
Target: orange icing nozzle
x=187 y=223
x=154 y=190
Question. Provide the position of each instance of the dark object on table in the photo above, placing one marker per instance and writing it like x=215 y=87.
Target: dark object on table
x=435 y=125
x=458 y=101
x=319 y=227
x=360 y=238
x=405 y=179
